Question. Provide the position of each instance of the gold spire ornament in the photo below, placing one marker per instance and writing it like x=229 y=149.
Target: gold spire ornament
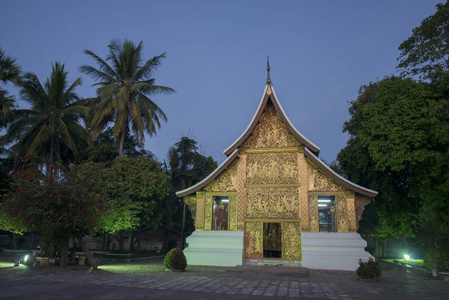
x=268 y=72
x=268 y=76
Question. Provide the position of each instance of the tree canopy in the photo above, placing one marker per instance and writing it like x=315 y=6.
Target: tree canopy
x=125 y=86
x=51 y=124
x=399 y=141
x=427 y=49
x=69 y=203
x=9 y=72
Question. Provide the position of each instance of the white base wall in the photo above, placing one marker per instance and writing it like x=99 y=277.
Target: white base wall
x=215 y=248
x=333 y=251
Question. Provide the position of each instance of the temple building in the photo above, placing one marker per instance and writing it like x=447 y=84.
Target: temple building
x=273 y=201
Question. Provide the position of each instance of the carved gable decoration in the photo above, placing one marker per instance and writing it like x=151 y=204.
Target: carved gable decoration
x=270 y=132
x=272 y=168
x=320 y=182
x=226 y=182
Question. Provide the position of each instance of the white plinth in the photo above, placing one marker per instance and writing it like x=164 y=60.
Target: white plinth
x=333 y=251
x=215 y=248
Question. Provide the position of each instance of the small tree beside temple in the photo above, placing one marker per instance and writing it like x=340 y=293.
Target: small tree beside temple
x=67 y=204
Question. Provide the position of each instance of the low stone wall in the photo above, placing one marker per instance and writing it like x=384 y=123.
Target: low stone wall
x=333 y=251
x=215 y=248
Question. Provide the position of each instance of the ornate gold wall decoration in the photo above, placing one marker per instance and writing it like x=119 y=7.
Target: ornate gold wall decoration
x=226 y=182
x=291 y=238
x=273 y=203
x=352 y=220
x=208 y=213
x=272 y=168
x=241 y=190
x=232 y=210
x=342 y=213
x=319 y=182
x=270 y=132
x=191 y=203
x=314 y=224
x=360 y=203
x=199 y=222
x=303 y=195
x=253 y=240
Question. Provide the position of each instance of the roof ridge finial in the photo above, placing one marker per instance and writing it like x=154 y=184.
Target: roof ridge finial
x=268 y=72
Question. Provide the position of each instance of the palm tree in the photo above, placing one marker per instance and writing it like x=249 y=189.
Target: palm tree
x=124 y=89
x=51 y=124
x=9 y=71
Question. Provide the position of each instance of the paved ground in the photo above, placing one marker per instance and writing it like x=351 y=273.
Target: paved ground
x=148 y=280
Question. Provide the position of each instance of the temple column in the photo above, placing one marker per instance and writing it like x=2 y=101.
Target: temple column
x=241 y=192
x=352 y=220
x=303 y=187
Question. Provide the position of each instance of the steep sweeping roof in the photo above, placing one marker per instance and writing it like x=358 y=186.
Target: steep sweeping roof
x=270 y=96
x=311 y=151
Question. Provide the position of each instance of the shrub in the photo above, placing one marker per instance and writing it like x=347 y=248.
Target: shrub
x=369 y=269
x=175 y=260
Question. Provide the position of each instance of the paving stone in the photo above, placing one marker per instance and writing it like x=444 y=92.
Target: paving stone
x=228 y=282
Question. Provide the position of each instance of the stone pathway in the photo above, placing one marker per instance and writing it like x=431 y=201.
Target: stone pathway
x=198 y=282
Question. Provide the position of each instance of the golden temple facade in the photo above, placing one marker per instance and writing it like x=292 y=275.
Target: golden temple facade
x=274 y=189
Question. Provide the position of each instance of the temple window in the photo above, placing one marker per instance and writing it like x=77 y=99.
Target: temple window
x=327 y=214
x=220 y=213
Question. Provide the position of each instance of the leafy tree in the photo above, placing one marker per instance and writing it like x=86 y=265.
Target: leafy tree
x=104 y=149
x=193 y=166
x=426 y=50
x=124 y=90
x=51 y=124
x=407 y=130
x=68 y=204
x=399 y=146
x=393 y=204
x=186 y=167
x=9 y=72
x=142 y=182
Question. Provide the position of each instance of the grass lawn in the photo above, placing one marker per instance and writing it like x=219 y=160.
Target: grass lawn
x=127 y=268
x=413 y=262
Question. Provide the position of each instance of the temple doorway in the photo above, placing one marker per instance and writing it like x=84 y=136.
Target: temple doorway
x=272 y=240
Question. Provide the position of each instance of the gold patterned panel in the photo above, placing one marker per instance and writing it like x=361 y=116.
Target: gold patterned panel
x=313 y=213
x=253 y=242
x=273 y=203
x=208 y=213
x=352 y=221
x=226 y=182
x=360 y=203
x=199 y=222
x=291 y=238
x=342 y=213
x=320 y=182
x=191 y=203
x=270 y=132
x=232 y=209
x=241 y=191
x=303 y=195
x=272 y=168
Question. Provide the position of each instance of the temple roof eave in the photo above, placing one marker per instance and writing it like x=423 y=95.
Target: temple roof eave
x=338 y=178
x=265 y=96
x=224 y=165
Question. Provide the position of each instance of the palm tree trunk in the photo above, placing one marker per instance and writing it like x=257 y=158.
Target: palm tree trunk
x=122 y=142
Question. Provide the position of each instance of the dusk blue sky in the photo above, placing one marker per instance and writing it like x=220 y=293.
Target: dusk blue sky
x=321 y=52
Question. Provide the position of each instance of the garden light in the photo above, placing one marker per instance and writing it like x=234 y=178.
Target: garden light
x=25 y=259
x=407 y=257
